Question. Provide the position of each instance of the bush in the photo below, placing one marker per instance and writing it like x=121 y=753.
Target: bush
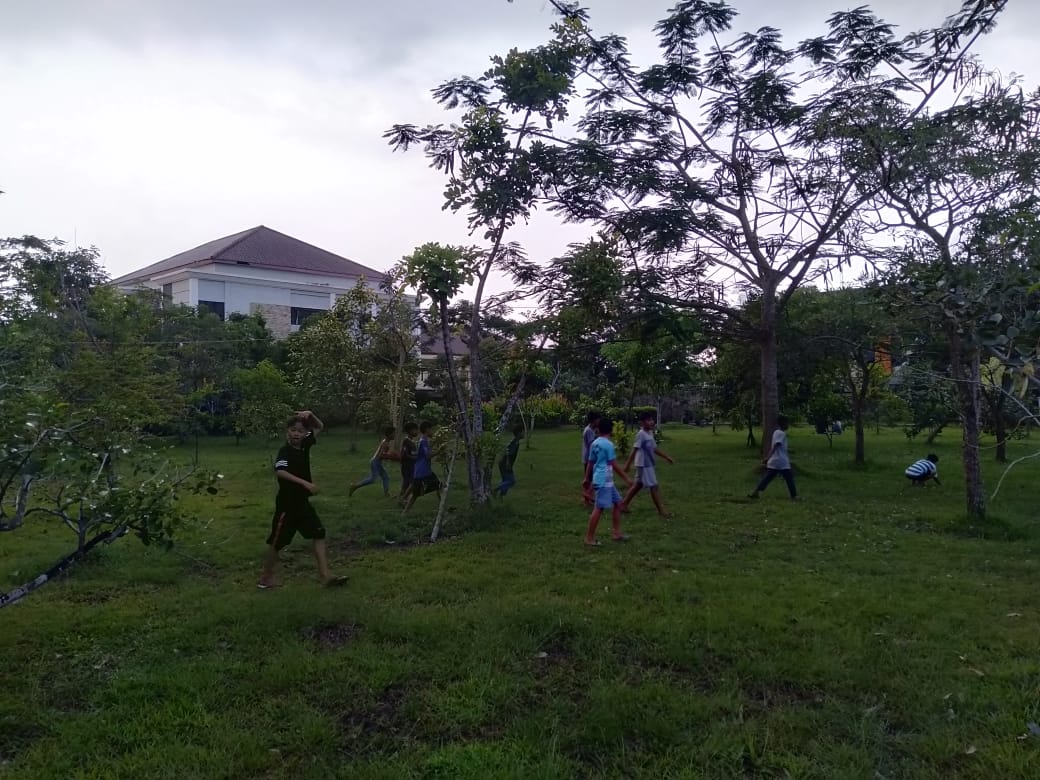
x=548 y=411
x=433 y=412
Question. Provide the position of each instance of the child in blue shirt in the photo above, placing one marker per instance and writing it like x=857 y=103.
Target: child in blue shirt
x=423 y=479
x=599 y=472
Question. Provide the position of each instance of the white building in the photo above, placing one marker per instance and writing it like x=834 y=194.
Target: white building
x=257 y=271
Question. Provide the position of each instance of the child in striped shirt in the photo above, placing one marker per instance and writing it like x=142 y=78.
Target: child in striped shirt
x=923 y=470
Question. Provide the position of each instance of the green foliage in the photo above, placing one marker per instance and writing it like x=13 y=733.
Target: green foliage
x=81 y=379
x=433 y=412
x=438 y=271
x=826 y=406
x=264 y=399
x=622 y=437
x=330 y=357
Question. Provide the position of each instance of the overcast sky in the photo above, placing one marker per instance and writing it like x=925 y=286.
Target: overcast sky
x=147 y=127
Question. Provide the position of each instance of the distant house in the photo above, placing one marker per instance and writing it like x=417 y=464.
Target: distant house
x=257 y=271
x=431 y=359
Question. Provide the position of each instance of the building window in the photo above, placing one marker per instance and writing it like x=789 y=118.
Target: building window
x=216 y=307
x=298 y=314
x=167 y=292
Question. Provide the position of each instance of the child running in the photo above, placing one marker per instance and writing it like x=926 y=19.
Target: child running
x=920 y=472
x=409 y=448
x=644 y=451
x=383 y=452
x=508 y=461
x=599 y=473
x=293 y=512
x=588 y=435
x=778 y=462
x=423 y=479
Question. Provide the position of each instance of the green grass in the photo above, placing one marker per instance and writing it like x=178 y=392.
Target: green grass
x=868 y=631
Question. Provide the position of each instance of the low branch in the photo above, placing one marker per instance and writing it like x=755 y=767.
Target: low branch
x=19 y=593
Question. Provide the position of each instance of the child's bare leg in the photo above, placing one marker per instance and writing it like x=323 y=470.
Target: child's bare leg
x=631 y=494
x=615 y=522
x=270 y=562
x=590 y=534
x=410 y=497
x=655 y=494
x=321 y=555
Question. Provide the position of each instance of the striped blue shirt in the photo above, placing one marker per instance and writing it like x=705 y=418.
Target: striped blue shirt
x=922 y=469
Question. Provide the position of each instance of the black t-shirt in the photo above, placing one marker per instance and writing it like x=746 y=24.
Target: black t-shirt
x=408 y=453
x=298 y=463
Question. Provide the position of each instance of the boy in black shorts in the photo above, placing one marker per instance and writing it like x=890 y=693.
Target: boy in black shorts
x=423 y=479
x=293 y=512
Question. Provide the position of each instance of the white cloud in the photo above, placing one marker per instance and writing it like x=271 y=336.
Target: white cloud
x=148 y=127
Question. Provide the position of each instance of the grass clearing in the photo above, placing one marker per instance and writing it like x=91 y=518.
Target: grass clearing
x=867 y=631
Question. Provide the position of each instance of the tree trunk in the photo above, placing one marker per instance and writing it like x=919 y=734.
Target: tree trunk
x=443 y=503
x=1000 y=429
x=857 y=421
x=859 y=404
x=469 y=438
x=770 y=371
x=967 y=375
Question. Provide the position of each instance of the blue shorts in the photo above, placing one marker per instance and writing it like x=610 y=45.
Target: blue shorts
x=607 y=496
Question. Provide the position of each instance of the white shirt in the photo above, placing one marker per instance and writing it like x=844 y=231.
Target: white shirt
x=778 y=455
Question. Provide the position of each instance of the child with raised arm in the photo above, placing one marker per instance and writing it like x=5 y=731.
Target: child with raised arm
x=644 y=452
x=778 y=463
x=423 y=479
x=384 y=451
x=599 y=473
x=588 y=435
x=920 y=472
x=293 y=512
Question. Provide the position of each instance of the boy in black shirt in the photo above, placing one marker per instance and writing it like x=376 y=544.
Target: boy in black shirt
x=293 y=512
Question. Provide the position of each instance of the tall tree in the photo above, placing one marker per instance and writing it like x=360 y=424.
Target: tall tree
x=852 y=334
x=330 y=357
x=734 y=162
x=80 y=382
x=960 y=185
x=492 y=178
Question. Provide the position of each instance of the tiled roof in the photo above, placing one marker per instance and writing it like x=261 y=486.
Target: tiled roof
x=432 y=343
x=259 y=247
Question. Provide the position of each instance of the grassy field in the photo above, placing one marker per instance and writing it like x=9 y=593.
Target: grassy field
x=867 y=631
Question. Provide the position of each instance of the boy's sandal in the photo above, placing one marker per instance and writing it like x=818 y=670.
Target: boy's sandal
x=267 y=585
x=334 y=581
x=622 y=538
x=596 y=543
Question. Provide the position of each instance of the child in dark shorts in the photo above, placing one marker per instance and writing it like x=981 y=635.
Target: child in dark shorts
x=409 y=449
x=293 y=512
x=423 y=479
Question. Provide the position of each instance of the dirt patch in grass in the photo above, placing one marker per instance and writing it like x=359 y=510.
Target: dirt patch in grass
x=332 y=636
x=16 y=737
x=84 y=594
x=378 y=724
x=777 y=694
